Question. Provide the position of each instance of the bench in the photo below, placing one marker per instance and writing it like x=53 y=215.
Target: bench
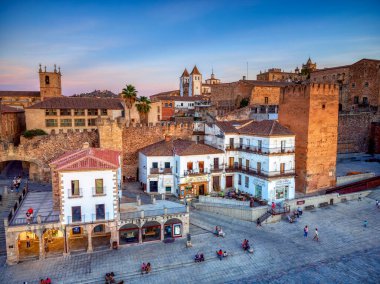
x=323 y=204
x=309 y=207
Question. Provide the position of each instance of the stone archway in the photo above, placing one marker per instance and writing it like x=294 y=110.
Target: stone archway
x=101 y=237
x=151 y=231
x=77 y=239
x=53 y=241
x=28 y=246
x=37 y=170
x=129 y=234
x=173 y=228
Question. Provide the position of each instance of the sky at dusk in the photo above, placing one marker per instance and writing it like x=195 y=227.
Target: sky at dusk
x=107 y=44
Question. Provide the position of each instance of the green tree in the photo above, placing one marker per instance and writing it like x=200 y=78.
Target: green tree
x=129 y=95
x=244 y=102
x=143 y=107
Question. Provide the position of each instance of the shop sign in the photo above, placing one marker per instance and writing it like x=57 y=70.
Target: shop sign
x=195 y=179
x=168 y=180
x=300 y=202
x=177 y=229
x=282 y=182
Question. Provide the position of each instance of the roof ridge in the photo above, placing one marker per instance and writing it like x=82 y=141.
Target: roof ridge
x=272 y=128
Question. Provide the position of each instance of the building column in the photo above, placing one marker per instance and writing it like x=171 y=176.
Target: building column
x=140 y=235
x=66 y=250
x=89 y=236
x=42 y=244
x=114 y=236
x=162 y=231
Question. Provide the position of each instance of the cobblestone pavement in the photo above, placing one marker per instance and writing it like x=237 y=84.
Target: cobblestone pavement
x=347 y=253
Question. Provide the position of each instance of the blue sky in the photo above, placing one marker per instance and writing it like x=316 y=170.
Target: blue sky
x=106 y=44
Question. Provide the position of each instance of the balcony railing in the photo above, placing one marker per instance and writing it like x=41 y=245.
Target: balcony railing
x=152 y=213
x=76 y=219
x=155 y=171
x=74 y=193
x=99 y=191
x=261 y=173
x=34 y=220
x=195 y=172
x=100 y=217
x=216 y=168
x=260 y=150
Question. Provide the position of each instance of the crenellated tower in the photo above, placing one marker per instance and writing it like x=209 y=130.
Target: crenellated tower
x=50 y=83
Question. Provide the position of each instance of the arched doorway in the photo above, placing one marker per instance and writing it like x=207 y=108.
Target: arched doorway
x=53 y=242
x=101 y=237
x=78 y=239
x=28 y=246
x=173 y=228
x=128 y=234
x=151 y=231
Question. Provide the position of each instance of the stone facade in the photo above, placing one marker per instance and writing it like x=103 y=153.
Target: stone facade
x=311 y=112
x=375 y=138
x=263 y=95
x=12 y=124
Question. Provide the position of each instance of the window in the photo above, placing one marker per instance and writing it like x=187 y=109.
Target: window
x=181 y=104
x=99 y=189
x=100 y=213
x=166 y=105
x=216 y=163
x=47 y=80
x=189 y=166
x=66 y=122
x=77 y=213
x=80 y=122
x=91 y=122
x=283 y=143
x=92 y=112
x=366 y=84
x=282 y=168
x=259 y=145
x=75 y=188
x=266 y=100
x=353 y=85
x=50 y=112
x=176 y=167
x=258 y=167
x=103 y=112
x=65 y=112
x=246 y=182
x=51 y=122
x=158 y=117
x=365 y=101
x=356 y=100
x=158 y=108
x=167 y=165
x=323 y=106
x=168 y=189
x=170 y=105
x=201 y=166
x=78 y=112
x=99 y=229
x=239 y=179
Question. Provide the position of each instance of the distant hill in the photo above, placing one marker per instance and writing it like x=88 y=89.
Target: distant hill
x=97 y=94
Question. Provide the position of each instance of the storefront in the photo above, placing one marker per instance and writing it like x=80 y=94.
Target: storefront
x=151 y=231
x=194 y=186
x=128 y=234
x=173 y=228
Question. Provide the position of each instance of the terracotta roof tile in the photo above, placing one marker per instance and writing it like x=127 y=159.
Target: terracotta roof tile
x=78 y=103
x=185 y=73
x=89 y=158
x=179 y=147
x=265 y=128
x=8 y=109
x=195 y=71
x=20 y=94
x=232 y=126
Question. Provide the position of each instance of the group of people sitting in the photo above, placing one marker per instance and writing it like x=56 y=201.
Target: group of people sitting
x=110 y=278
x=296 y=214
x=45 y=281
x=199 y=257
x=221 y=254
x=219 y=232
x=146 y=268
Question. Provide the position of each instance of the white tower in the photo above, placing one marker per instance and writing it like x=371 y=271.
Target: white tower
x=184 y=83
x=195 y=84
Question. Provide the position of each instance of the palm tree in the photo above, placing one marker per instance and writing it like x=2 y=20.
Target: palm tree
x=143 y=107
x=129 y=95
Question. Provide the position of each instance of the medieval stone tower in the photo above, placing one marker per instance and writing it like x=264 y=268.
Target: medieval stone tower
x=311 y=112
x=184 y=83
x=195 y=83
x=50 y=83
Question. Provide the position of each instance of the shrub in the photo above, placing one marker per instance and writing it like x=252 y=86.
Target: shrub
x=33 y=132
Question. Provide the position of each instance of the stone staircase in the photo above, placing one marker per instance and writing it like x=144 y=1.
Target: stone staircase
x=265 y=216
x=8 y=202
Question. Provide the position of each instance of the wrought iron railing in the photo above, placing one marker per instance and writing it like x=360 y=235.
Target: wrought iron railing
x=72 y=193
x=99 y=191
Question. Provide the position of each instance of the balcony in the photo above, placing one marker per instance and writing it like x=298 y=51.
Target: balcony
x=216 y=168
x=194 y=172
x=76 y=219
x=99 y=191
x=260 y=173
x=152 y=213
x=74 y=193
x=156 y=171
x=260 y=150
x=104 y=216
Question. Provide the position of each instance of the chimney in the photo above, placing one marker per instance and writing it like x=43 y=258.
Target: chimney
x=86 y=145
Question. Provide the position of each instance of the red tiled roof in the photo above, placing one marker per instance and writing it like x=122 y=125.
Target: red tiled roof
x=179 y=147
x=78 y=103
x=87 y=159
x=185 y=73
x=195 y=71
x=8 y=109
x=20 y=94
x=251 y=127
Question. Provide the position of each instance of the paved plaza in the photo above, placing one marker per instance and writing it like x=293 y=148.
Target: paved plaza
x=347 y=253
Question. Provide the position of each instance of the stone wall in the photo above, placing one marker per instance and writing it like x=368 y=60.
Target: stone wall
x=260 y=93
x=375 y=138
x=354 y=132
x=137 y=137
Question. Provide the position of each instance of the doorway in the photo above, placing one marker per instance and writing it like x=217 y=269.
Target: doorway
x=201 y=189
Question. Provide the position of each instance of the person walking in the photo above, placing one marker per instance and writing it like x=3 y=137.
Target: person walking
x=377 y=203
x=365 y=223
x=316 y=235
x=305 y=231
x=258 y=222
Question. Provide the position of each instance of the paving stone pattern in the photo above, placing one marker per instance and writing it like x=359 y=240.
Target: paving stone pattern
x=347 y=253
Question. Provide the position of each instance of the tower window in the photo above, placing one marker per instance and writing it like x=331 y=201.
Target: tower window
x=356 y=100
x=323 y=106
x=266 y=100
x=366 y=84
x=47 y=81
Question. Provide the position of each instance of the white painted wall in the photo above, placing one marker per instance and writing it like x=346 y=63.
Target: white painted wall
x=88 y=201
x=184 y=104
